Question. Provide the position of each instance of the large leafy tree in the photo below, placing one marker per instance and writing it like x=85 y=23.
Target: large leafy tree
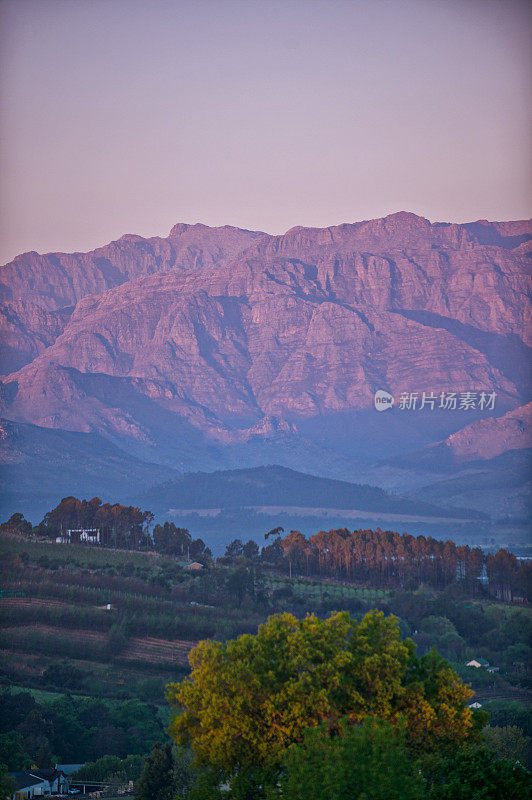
x=247 y=700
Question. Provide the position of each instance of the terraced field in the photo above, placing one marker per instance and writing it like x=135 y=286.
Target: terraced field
x=54 y=609
x=154 y=651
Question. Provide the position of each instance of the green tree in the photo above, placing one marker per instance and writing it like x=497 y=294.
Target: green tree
x=240 y=583
x=111 y=768
x=510 y=712
x=17 y=522
x=184 y=774
x=272 y=553
x=247 y=700
x=509 y=742
x=251 y=550
x=169 y=539
x=117 y=638
x=469 y=773
x=36 y=731
x=69 y=737
x=12 y=752
x=235 y=549
x=157 y=779
x=365 y=761
x=14 y=709
x=7 y=784
x=44 y=757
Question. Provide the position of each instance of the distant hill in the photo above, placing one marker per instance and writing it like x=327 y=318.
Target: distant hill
x=500 y=486
x=246 y=503
x=276 y=486
x=42 y=465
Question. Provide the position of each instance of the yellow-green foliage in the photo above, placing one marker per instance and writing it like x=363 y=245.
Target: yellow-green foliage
x=248 y=699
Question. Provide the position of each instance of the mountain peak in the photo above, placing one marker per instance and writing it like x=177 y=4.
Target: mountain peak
x=407 y=216
x=183 y=227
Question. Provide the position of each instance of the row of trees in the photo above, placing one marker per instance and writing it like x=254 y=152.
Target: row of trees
x=385 y=558
x=388 y=559
x=508 y=578
x=174 y=541
x=120 y=526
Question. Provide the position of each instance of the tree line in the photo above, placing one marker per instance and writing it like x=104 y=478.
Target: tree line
x=390 y=559
x=384 y=558
x=119 y=526
x=72 y=729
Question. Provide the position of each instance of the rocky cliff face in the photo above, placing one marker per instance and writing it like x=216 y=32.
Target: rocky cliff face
x=487 y=438
x=232 y=339
x=33 y=284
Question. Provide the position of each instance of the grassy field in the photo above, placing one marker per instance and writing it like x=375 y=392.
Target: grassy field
x=39 y=694
x=76 y=555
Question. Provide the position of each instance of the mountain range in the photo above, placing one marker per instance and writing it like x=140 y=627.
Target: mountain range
x=221 y=348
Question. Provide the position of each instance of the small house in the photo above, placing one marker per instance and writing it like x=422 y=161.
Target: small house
x=57 y=782
x=475 y=705
x=87 y=535
x=28 y=786
x=478 y=663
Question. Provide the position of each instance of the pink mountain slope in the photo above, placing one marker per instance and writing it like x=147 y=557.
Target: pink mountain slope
x=239 y=337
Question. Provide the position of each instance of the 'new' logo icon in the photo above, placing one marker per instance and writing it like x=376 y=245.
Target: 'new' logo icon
x=383 y=400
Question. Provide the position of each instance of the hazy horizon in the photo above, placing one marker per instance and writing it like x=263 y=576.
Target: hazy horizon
x=122 y=117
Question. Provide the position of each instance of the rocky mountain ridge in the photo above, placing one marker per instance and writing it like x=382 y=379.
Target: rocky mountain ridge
x=218 y=347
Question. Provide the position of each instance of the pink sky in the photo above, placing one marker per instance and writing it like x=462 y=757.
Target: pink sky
x=122 y=116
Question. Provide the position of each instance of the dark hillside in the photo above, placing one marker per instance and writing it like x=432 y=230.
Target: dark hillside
x=279 y=486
